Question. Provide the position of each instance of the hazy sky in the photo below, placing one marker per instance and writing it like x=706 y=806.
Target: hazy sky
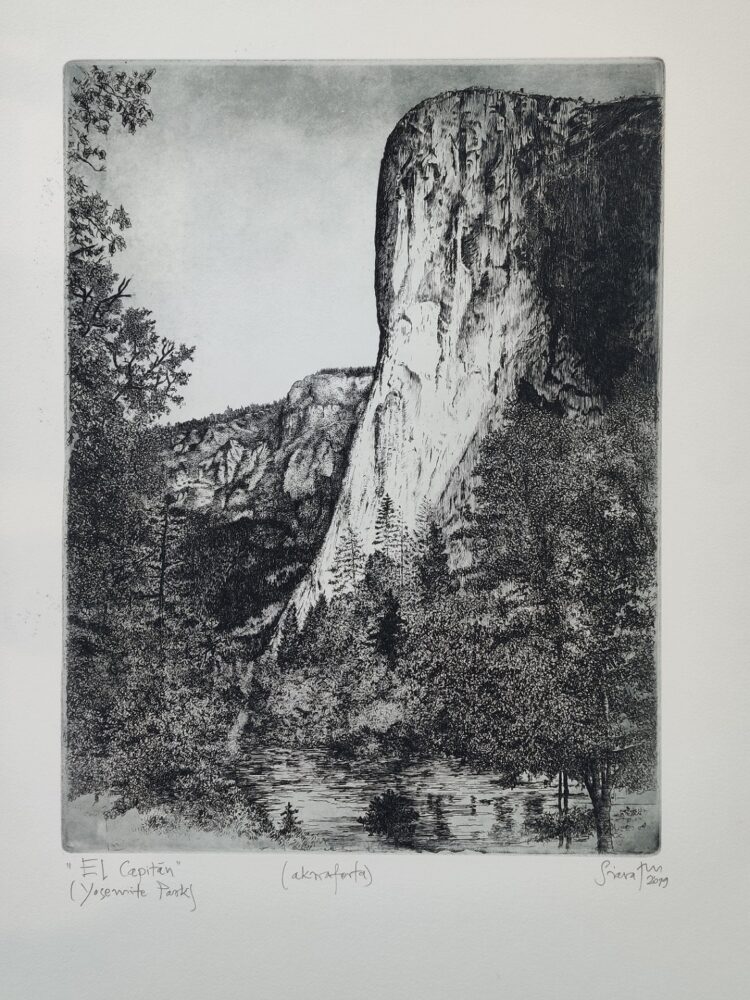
x=252 y=199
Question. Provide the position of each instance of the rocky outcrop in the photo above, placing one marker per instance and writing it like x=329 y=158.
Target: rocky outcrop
x=293 y=450
x=266 y=479
x=516 y=251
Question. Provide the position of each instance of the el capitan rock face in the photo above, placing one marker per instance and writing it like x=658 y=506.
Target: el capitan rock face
x=516 y=250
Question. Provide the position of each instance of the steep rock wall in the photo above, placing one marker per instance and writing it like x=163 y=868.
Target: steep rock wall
x=516 y=250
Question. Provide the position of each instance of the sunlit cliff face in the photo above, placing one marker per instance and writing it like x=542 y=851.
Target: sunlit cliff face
x=464 y=317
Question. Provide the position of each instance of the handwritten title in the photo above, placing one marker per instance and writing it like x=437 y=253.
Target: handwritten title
x=99 y=880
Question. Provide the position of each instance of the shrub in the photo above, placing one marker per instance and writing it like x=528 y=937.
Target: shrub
x=391 y=815
x=578 y=823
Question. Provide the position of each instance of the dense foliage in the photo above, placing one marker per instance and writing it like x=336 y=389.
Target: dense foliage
x=540 y=657
x=152 y=682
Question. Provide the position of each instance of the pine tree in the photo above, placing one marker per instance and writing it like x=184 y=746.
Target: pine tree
x=315 y=620
x=425 y=516
x=432 y=563
x=289 y=822
x=404 y=552
x=388 y=634
x=290 y=639
x=349 y=562
x=386 y=527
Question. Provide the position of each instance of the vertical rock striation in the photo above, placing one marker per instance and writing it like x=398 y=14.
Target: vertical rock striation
x=516 y=251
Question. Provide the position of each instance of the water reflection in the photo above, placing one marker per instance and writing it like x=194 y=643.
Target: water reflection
x=434 y=804
x=502 y=827
x=391 y=815
x=441 y=831
x=533 y=807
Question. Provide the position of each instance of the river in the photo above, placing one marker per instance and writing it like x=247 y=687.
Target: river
x=459 y=808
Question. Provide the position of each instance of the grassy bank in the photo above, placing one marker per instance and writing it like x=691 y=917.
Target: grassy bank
x=91 y=823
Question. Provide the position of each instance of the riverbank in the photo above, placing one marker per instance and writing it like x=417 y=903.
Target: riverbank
x=313 y=801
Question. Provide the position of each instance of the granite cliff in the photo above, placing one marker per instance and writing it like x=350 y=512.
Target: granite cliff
x=263 y=457
x=516 y=251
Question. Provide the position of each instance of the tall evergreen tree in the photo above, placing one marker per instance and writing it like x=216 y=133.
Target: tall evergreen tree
x=290 y=643
x=386 y=527
x=388 y=633
x=432 y=564
x=349 y=562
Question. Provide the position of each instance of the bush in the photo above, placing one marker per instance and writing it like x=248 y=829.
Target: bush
x=578 y=823
x=392 y=816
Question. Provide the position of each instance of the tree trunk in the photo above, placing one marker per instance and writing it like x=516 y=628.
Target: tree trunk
x=597 y=785
x=603 y=819
x=606 y=837
x=560 y=818
x=566 y=820
x=163 y=564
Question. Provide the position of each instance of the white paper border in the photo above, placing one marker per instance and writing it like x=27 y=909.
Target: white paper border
x=429 y=926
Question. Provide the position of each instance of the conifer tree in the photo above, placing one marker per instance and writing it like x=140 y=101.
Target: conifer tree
x=425 y=515
x=388 y=634
x=386 y=527
x=290 y=643
x=432 y=563
x=289 y=822
x=349 y=562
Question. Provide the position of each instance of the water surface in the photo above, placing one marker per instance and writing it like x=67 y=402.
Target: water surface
x=459 y=807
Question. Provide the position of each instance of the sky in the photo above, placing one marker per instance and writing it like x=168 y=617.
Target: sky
x=252 y=201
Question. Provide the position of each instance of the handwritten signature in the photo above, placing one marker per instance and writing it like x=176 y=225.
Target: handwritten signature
x=359 y=875
x=642 y=875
